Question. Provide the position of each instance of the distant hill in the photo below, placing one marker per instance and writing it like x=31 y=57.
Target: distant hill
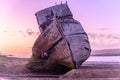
x=106 y=52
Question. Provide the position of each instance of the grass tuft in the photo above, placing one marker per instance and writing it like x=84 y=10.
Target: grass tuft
x=42 y=65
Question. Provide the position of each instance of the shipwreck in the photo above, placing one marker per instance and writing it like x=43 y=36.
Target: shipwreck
x=62 y=38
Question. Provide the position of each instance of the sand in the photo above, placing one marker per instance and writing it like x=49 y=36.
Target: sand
x=12 y=68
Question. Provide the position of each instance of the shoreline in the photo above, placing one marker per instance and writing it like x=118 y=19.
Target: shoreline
x=14 y=68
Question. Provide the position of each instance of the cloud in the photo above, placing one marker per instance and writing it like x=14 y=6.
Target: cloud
x=31 y=32
x=104 y=39
x=25 y=33
x=20 y=31
x=5 y=31
x=103 y=29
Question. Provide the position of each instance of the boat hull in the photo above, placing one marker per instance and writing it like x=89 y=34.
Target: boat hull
x=63 y=39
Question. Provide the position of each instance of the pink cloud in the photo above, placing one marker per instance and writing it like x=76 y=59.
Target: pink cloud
x=105 y=39
x=31 y=32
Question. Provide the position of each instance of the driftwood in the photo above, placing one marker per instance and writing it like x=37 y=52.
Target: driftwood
x=62 y=38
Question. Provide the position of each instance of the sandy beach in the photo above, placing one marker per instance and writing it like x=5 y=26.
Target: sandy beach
x=12 y=68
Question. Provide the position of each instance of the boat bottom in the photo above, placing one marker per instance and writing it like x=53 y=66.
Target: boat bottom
x=61 y=53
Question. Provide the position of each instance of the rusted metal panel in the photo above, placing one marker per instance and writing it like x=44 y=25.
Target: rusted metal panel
x=61 y=53
x=46 y=40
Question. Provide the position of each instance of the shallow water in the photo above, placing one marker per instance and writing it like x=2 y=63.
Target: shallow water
x=4 y=78
x=104 y=58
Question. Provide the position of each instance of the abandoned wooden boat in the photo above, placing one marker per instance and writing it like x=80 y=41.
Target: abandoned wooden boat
x=62 y=38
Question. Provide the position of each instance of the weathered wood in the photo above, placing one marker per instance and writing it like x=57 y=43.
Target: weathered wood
x=77 y=39
x=45 y=17
x=46 y=40
x=70 y=27
x=61 y=10
x=61 y=54
x=63 y=39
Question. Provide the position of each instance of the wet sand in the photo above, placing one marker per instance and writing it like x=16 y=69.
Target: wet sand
x=12 y=68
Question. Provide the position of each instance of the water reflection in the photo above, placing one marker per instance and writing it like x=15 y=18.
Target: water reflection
x=4 y=78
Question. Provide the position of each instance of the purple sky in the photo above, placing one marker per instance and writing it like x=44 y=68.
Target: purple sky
x=100 y=19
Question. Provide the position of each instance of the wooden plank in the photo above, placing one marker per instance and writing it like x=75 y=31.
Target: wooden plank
x=71 y=27
x=77 y=39
x=46 y=40
x=61 y=54
x=79 y=47
x=43 y=15
x=61 y=10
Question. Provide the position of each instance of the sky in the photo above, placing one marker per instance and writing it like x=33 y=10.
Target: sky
x=19 y=28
